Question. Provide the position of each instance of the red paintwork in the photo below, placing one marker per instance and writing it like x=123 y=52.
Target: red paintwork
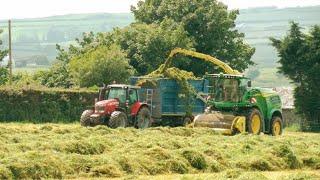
x=112 y=104
x=136 y=107
x=109 y=105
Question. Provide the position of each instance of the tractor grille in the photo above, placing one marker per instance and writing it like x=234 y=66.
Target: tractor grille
x=99 y=109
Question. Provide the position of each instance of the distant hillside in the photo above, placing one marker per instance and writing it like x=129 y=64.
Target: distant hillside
x=36 y=38
x=32 y=37
x=259 y=24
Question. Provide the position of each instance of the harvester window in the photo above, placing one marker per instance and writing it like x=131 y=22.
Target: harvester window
x=231 y=90
x=226 y=90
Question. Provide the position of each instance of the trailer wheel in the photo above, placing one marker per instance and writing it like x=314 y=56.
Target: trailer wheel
x=254 y=121
x=144 y=118
x=187 y=121
x=276 y=126
x=118 y=119
x=85 y=118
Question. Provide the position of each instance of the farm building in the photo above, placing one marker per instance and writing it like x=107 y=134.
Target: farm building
x=5 y=61
x=289 y=114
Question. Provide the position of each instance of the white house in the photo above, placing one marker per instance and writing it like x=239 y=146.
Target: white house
x=5 y=62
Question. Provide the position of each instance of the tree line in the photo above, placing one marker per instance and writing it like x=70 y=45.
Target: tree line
x=205 y=26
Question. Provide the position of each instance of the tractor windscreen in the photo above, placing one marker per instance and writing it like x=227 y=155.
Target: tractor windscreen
x=226 y=90
x=117 y=93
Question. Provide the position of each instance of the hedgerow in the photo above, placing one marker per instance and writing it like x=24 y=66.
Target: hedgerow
x=43 y=104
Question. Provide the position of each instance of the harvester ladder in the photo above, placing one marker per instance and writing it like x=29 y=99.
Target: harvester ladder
x=149 y=98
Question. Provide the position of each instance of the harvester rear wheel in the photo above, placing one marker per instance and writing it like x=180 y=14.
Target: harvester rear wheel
x=118 y=119
x=144 y=118
x=85 y=118
x=254 y=121
x=276 y=128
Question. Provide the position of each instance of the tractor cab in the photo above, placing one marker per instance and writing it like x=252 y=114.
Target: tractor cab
x=125 y=94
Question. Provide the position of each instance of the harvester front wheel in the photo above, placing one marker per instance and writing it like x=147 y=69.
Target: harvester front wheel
x=276 y=128
x=118 y=119
x=254 y=121
x=144 y=118
x=85 y=118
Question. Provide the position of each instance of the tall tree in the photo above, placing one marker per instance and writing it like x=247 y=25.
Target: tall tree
x=299 y=55
x=208 y=22
x=148 y=46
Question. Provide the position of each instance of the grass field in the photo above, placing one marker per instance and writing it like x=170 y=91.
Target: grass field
x=71 y=151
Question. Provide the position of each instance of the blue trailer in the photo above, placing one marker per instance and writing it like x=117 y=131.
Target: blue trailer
x=167 y=106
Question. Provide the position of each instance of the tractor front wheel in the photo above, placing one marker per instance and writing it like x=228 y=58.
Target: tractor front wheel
x=118 y=119
x=144 y=118
x=276 y=126
x=254 y=121
x=85 y=118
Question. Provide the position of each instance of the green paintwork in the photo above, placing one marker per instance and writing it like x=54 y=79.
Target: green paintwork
x=267 y=101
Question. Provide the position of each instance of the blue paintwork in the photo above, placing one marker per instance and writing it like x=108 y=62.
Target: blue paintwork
x=171 y=103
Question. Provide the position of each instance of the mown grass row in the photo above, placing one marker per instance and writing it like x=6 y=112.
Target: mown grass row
x=70 y=151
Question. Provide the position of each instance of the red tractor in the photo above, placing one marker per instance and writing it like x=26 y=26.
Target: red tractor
x=118 y=106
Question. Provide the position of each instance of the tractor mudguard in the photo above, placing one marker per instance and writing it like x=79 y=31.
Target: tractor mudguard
x=136 y=107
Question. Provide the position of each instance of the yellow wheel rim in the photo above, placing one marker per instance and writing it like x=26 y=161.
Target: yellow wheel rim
x=255 y=124
x=277 y=128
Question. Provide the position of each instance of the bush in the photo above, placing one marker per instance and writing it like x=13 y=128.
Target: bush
x=43 y=105
x=4 y=75
x=101 y=65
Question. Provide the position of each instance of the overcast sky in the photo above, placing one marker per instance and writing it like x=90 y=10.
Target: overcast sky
x=11 y=9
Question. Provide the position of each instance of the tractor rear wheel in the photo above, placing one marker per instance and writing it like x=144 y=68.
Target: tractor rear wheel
x=276 y=126
x=85 y=118
x=254 y=121
x=118 y=119
x=144 y=118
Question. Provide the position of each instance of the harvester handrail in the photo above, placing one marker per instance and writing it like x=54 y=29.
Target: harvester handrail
x=201 y=56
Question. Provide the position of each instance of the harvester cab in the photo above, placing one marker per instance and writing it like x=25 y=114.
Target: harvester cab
x=118 y=106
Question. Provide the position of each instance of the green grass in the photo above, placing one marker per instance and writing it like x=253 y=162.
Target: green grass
x=30 y=69
x=71 y=151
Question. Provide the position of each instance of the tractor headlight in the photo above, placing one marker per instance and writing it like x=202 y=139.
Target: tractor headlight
x=99 y=109
x=253 y=100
